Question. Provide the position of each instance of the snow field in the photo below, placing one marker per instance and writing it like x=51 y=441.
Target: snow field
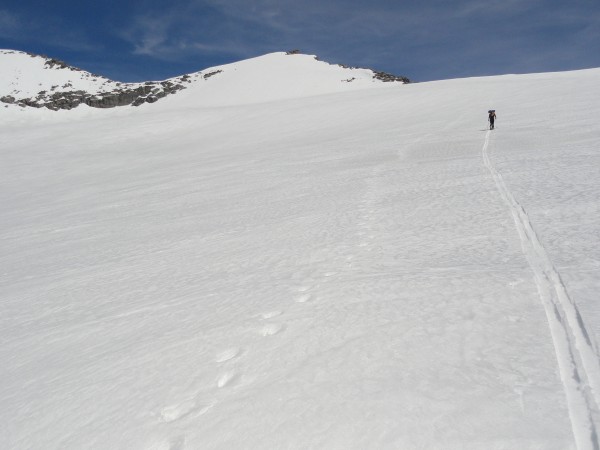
x=336 y=271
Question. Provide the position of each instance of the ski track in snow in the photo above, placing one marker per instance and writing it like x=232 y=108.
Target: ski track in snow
x=577 y=360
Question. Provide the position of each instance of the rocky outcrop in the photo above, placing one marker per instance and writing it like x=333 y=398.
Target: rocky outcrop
x=387 y=77
x=381 y=76
x=52 y=63
x=206 y=76
x=134 y=96
x=102 y=92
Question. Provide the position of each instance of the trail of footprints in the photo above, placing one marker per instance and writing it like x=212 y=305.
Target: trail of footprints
x=226 y=378
x=229 y=375
x=226 y=358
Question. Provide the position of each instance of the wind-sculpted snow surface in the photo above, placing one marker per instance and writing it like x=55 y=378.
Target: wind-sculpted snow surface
x=367 y=268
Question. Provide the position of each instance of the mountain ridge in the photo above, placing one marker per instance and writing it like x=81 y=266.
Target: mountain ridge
x=39 y=81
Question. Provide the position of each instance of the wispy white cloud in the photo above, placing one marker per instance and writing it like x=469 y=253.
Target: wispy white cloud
x=474 y=8
x=9 y=24
x=171 y=37
x=241 y=28
x=50 y=31
x=193 y=28
x=148 y=34
x=418 y=32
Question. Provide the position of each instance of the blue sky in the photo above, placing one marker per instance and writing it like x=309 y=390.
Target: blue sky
x=423 y=40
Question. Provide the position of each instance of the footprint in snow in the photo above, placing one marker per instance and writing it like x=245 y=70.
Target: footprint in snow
x=226 y=379
x=175 y=412
x=303 y=298
x=227 y=355
x=176 y=443
x=271 y=329
x=271 y=314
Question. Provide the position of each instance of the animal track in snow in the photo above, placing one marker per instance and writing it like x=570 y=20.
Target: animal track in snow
x=228 y=354
x=270 y=329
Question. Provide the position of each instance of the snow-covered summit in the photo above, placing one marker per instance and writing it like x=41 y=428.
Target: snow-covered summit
x=278 y=76
x=38 y=81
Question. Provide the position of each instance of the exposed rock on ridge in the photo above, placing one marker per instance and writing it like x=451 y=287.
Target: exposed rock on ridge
x=377 y=75
x=388 y=77
x=109 y=94
x=127 y=95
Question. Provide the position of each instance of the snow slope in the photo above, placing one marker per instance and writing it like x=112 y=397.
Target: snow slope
x=276 y=76
x=304 y=269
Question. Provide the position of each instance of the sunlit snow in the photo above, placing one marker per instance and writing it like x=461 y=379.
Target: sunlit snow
x=279 y=258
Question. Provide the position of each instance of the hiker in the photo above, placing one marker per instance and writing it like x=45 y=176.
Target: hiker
x=491 y=118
